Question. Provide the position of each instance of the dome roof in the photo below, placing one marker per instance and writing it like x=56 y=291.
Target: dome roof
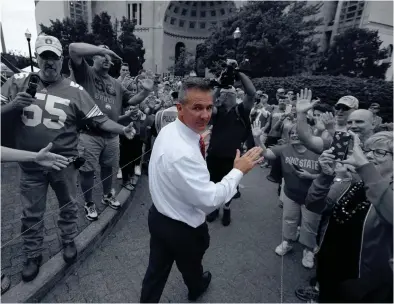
x=195 y=18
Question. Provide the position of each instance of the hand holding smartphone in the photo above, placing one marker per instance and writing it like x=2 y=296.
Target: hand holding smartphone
x=340 y=145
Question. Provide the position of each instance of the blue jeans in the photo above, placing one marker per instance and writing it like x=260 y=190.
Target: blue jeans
x=33 y=194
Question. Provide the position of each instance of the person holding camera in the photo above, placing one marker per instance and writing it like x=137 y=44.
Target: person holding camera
x=230 y=128
x=54 y=115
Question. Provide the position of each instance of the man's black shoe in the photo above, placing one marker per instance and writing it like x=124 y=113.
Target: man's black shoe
x=226 y=219
x=69 y=252
x=272 y=179
x=31 y=268
x=206 y=280
x=213 y=216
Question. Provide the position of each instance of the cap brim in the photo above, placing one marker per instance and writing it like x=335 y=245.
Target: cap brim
x=48 y=48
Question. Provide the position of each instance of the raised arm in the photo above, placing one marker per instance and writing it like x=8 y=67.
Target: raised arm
x=79 y=50
x=250 y=91
x=304 y=104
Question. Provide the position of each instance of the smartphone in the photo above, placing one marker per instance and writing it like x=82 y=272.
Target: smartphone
x=298 y=168
x=288 y=109
x=32 y=85
x=340 y=145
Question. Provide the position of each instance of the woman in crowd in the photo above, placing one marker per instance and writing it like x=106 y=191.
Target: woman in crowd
x=353 y=264
x=299 y=168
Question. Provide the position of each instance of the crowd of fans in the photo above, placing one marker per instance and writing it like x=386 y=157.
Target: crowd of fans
x=340 y=210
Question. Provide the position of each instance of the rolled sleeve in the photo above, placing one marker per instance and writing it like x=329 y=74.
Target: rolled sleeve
x=191 y=177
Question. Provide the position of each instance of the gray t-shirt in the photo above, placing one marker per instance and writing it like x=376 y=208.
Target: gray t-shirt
x=296 y=188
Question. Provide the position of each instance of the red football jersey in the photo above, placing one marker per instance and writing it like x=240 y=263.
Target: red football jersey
x=55 y=116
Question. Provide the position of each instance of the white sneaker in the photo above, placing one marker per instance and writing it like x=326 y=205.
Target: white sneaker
x=119 y=175
x=90 y=210
x=137 y=170
x=308 y=258
x=110 y=200
x=283 y=248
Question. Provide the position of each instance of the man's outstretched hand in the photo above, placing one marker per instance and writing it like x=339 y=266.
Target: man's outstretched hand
x=248 y=160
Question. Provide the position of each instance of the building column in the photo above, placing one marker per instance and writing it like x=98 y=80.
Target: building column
x=336 y=21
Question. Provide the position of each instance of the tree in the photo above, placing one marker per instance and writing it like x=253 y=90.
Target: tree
x=277 y=37
x=132 y=47
x=68 y=31
x=18 y=60
x=184 y=64
x=355 y=53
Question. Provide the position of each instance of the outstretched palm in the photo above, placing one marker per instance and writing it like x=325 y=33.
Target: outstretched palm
x=257 y=130
x=304 y=101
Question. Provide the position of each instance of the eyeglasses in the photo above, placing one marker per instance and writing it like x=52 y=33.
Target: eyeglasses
x=378 y=152
x=342 y=107
x=49 y=56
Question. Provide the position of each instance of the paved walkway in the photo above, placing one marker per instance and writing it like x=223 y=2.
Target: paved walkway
x=11 y=212
x=241 y=257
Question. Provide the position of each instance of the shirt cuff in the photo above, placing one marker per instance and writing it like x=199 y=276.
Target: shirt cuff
x=235 y=174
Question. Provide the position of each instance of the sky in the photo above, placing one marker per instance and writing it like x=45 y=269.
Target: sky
x=16 y=17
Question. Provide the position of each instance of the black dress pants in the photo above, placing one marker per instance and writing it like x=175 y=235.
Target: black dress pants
x=218 y=168
x=130 y=153
x=171 y=241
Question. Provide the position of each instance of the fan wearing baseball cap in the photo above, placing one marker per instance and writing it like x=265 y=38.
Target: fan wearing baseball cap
x=53 y=117
x=342 y=109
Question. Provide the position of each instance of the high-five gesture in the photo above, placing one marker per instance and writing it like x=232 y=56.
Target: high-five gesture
x=51 y=160
x=248 y=160
x=304 y=101
x=129 y=131
x=147 y=84
x=256 y=129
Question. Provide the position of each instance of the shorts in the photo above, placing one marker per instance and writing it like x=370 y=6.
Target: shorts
x=98 y=150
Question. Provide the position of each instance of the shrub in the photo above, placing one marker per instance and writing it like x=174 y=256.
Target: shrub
x=330 y=88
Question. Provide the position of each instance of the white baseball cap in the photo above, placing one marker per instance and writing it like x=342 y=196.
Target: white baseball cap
x=48 y=43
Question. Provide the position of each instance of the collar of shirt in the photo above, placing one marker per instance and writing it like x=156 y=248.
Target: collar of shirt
x=185 y=131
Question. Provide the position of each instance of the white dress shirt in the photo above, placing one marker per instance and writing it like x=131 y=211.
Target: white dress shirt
x=179 y=180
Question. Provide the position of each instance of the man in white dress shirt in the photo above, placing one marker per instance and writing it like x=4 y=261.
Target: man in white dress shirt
x=183 y=194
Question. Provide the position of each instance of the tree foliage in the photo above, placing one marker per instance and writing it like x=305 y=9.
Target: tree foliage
x=184 y=64
x=277 y=37
x=127 y=45
x=132 y=47
x=356 y=53
x=18 y=60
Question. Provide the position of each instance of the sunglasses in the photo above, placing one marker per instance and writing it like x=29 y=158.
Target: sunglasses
x=49 y=56
x=342 y=107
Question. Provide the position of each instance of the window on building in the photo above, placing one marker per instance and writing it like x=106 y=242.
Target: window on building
x=202 y=25
x=140 y=13
x=170 y=6
x=213 y=13
x=176 y=9
x=214 y=23
x=351 y=15
x=195 y=3
x=202 y=14
x=128 y=11
x=181 y=23
x=203 y=3
x=192 y=24
x=222 y=11
x=184 y=12
x=165 y=18
x=211 y=3
x=172 y=21
x=194 y=13
x=134 y=13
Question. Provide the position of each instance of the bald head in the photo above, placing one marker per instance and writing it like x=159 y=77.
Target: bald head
x=361 y=123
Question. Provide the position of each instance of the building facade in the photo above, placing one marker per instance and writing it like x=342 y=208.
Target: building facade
x=167 y=26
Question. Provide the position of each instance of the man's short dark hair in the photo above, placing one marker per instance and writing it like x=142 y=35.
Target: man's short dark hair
x=323 y=107
x=193 y=83
x=125 y=64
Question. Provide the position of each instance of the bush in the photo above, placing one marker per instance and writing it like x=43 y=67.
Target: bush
x=330 y=88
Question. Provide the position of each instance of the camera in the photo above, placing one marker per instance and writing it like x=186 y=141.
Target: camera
x=228 y=76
